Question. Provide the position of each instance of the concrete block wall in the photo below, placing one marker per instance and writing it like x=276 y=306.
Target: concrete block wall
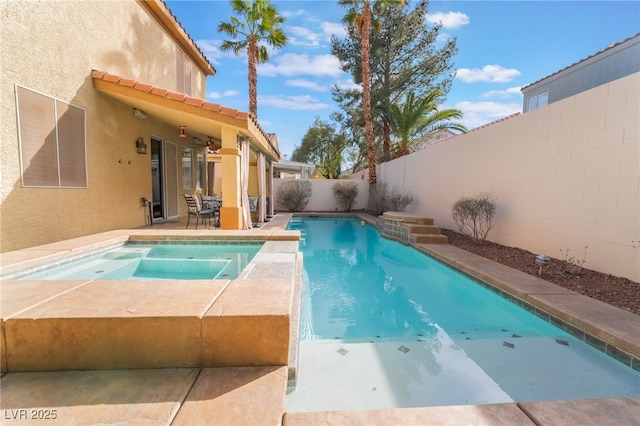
x=565 y=176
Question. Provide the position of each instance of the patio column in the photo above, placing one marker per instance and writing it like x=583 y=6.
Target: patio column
x=231 y=210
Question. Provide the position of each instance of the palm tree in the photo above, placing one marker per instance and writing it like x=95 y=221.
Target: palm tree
x=360 y=14
x=255 y=22
x=418 y=117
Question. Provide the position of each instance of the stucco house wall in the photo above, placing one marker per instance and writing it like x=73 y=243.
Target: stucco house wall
x=565 y=176
x=51 y=48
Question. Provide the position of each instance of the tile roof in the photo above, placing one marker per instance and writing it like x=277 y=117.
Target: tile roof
x=495 y=122
x=601 y=51
x=184 y=98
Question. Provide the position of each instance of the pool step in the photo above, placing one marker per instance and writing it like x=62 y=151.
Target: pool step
x=430 y=238
x=410 y=228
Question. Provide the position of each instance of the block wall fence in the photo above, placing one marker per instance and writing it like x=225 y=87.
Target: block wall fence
x=565 y=176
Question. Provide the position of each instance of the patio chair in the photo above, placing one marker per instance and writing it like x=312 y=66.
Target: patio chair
x=212 y=202
x=194 y=209
x=253 y=208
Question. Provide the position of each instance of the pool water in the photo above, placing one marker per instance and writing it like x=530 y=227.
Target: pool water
x=385 y=326
x=172 y=261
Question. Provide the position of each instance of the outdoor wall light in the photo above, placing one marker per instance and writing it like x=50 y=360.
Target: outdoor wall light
x=141 y=147
x=541 y=260
x=137 y=113
x=183 y=131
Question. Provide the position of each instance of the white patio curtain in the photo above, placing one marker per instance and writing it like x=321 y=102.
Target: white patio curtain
x=244 y=183
x=262 y=188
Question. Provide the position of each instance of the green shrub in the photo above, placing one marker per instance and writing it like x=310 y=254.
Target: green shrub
x=294 y=194
x=346 y=192
x=474 y=215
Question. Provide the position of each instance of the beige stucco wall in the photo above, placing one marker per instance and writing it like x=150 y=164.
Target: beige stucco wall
x=565 y=176
x=51 y=47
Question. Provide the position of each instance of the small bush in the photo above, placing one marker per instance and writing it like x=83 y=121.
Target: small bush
x=573 y=264
x=382 y=200
x=474 y=215
x=398 y=200
x=294 y=195
x=346 y=192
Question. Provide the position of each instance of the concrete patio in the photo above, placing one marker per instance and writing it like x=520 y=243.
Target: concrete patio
x=222 y=351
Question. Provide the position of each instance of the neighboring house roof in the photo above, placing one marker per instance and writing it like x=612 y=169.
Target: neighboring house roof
x=179 y=109
x=600 y=52
x=495 y=122
x=433 y=138
x=167 y=19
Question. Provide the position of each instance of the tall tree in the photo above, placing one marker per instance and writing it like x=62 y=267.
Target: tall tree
x=360 y=15
x=256 y=25
x=403 y=58
x=419 y=117
x=322 y=146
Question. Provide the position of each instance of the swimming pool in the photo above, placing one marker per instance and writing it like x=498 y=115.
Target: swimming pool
x=144 y=261
x=385 y=326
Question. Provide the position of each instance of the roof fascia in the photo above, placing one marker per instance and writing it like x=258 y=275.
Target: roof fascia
x=169 y=22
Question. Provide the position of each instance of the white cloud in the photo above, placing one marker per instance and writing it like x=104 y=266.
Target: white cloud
x=225 y=94
x=449 y=19
x=489 y=73
x=211 y=49
x=304 y=102
x=288 y=14
x=475 y=114
x=333 y=28
x=306 y=84
x=291 y=64
x=504 y=94
x=301 y=36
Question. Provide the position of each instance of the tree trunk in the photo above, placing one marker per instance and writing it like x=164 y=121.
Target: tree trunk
x=366 y=92
x=252 y=51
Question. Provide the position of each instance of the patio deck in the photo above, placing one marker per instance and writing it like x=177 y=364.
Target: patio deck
x=242 y=378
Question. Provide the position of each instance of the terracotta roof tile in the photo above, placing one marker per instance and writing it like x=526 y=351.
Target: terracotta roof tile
x=228 y=111
x=193 y=101
x=97 y=74
x=159 y=91
x=175 y=95
x=126 y=82
x=211 y=106
x=111 y=77
x=241 y=114
x=143 y=86
x=495 y=122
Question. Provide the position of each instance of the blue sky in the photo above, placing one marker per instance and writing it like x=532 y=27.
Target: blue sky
x=502 y=46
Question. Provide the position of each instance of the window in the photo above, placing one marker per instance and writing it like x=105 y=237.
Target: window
x=538 y=101
x=202 y=170
x=52 y=138
x=187 y=168
x=183 y=73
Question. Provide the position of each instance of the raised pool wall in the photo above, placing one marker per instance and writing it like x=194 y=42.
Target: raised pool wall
x=85 y=324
